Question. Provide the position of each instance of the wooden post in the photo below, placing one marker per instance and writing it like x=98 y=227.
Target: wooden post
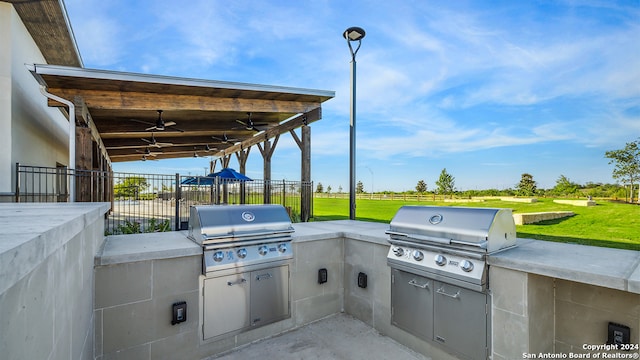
x=84 y=162
x=305 y=171
x=242 y=156
x=305 y=176
x=267 y=151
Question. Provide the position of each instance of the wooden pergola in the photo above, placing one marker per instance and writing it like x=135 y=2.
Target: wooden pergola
x=116 y=113
x=131 y=117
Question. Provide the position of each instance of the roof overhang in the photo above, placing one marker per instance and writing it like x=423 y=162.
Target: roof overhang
x=211 y=117
x=49 y=26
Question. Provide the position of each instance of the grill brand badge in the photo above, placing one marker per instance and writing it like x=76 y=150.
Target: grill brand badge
x=435 y=219
x=248 y=216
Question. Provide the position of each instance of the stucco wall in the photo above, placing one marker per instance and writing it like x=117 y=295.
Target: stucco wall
x=30 y=132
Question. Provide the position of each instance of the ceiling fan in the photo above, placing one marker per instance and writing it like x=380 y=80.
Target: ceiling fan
x=225 y=139
x=155 y=143
x=145 y=158
x=160 y=124
x=148 y=152
x=250 y=125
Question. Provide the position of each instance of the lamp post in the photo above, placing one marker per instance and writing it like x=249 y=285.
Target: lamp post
x=353 y=34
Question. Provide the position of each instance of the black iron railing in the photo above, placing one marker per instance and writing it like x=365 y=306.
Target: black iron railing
x=155 y=202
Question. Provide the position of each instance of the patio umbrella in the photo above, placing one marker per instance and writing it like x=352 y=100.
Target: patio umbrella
x=230 y=174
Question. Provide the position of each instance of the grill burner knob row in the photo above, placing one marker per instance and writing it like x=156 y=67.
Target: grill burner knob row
x=242 y=253
x=418 y=255
x=263 y=250
x=466 y=265
x=218 y=256
x=440 y=260
x=398 y=251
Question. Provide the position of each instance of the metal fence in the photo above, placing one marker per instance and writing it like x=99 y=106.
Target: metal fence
x=154 y=202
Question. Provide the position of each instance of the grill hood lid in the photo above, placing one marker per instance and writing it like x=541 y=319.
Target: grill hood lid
x=479 y=229
x=235 y=222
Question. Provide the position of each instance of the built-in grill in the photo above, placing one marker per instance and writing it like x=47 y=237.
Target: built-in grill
x=440 y=273
x=246 y=257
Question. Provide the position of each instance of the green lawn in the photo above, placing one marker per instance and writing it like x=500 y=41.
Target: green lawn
x=608 y=224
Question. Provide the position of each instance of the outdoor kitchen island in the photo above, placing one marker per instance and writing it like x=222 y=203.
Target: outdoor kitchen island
x=545 y=297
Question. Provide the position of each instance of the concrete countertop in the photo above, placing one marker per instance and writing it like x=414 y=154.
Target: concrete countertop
x=30 y=232
x=148 y=246
x=611 y=268
x=607 y=267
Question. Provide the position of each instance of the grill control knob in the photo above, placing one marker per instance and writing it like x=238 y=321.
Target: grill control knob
x=466 y=265
x=418 y=255
x=398 y=251
x=440 y=260
x=242 y=253
x=282 y=248
x=218 y=256
x=263 y=250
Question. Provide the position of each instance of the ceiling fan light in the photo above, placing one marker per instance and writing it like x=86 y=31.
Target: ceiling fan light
x=160 y=122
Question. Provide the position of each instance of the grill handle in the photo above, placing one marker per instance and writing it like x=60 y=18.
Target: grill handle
x=442 y=292
x=229 y=283
x=212 y=235
x=415 y=283
x=420 y=237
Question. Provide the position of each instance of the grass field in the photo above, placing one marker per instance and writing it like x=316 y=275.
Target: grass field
x=608 y=224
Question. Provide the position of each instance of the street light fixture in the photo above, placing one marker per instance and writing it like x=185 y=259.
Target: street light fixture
x=353 y=34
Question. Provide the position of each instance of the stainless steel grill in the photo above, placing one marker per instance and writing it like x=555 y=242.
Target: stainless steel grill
x=246 y=256
x=241 y=235
x=440 y=273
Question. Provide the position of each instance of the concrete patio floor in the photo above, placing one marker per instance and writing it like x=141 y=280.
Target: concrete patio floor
x=339 y=337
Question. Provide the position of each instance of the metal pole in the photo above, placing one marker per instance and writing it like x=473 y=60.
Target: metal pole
x=352 y=142
x=178 y=195
x=353 y=34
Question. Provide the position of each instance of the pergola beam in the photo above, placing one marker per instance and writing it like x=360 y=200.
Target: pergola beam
x=135 y=101
x=302 y=119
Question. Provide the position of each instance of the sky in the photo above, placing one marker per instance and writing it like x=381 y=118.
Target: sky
x=487 y=90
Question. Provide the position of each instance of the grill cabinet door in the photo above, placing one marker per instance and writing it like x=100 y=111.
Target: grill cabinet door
x=460 y=320
x=226 y=304
x=269 y=295
x=412 y=303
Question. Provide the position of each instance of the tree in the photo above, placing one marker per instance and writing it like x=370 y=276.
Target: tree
x=131 y=187
x=329 y=189
x=445 y=183
x=526 y=186
x=359 y=187
x=626 y=165
x=421 y=187
x=564 y=186
x=319 y=188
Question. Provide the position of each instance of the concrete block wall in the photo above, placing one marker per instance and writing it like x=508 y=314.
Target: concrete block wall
x=133 y=309
x=583 y=312
x=532 y=218
x=372 y=305
x=522 y=313
x=310 y=300
x=46 y=279
x=535 y=314
x=133 y=304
